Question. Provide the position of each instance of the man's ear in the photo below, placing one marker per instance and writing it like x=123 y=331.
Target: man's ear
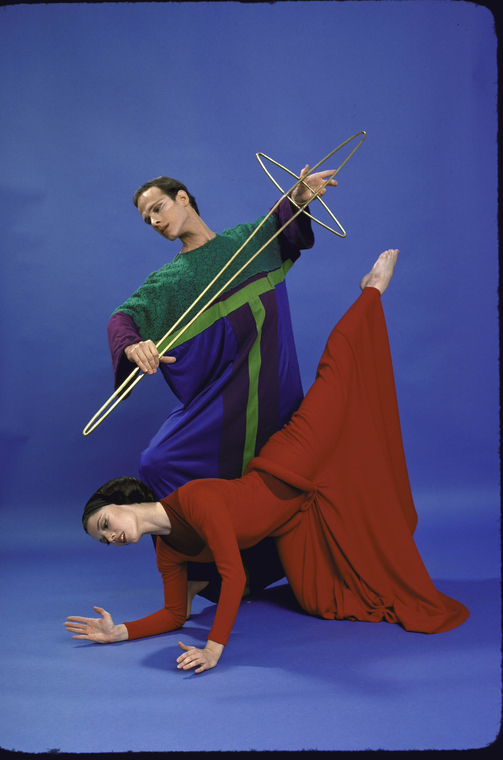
x=182 y=198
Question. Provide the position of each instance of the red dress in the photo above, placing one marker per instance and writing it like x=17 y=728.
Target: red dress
x=332 y=488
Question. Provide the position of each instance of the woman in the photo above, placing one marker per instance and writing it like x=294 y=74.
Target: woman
x=331 y=487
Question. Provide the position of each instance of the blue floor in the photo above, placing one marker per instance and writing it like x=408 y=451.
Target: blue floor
x=286 y=681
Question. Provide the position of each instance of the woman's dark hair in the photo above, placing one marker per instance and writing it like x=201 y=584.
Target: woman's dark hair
x=125 y=490
x=170 y=187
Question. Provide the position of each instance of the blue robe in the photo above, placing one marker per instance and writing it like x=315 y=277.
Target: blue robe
x=237 y=379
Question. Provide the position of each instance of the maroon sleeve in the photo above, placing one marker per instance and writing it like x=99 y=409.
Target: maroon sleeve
x=122 y=332
x=298 y=236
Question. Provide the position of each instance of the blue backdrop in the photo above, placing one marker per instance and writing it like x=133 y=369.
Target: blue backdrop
x=100 y=98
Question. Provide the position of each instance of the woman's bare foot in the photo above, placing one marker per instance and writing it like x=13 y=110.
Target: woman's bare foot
x=193 y=588
x=382 y=271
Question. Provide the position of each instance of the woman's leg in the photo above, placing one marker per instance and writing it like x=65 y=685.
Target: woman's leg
x=309 y=440
x=352 y=555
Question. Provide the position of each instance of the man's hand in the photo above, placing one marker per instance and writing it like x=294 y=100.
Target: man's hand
x=302 y=194
x=146 y=356
x=101 y=630
x=206 y=658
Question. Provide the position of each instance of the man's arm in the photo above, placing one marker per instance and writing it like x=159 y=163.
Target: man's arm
x=127 y=349
x=298 y=236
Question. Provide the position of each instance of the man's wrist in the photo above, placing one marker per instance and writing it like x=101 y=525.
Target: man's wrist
x=296 y=202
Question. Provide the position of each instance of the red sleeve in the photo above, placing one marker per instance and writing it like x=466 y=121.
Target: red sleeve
x=174 y=613
x=205 y=510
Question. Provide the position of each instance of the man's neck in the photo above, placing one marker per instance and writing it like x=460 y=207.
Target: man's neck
x=197 y=236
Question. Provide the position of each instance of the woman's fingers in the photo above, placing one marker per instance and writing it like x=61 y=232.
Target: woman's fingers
x=191 y=661
x=190 y=658
x=194 y=657
x=104 y=614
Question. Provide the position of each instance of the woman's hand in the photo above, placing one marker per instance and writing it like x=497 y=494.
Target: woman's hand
x=101 y=630
x=206 y=658
x=146 y=356
x=302 y=194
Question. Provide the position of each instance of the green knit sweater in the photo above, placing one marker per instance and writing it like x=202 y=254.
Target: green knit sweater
x=167 y=293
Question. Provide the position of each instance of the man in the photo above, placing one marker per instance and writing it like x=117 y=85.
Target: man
x=235 y=369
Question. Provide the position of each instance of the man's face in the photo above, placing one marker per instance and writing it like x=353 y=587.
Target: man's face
x=169 y=218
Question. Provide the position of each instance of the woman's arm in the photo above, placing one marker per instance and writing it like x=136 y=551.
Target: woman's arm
x=203 y=505
x=101 y=630
x=170 y=618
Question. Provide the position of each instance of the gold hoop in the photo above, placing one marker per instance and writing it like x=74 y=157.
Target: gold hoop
x=127 y=386
x=342 y=233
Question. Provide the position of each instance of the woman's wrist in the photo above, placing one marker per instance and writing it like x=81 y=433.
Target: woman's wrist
x=119 y=633
x=215 y=648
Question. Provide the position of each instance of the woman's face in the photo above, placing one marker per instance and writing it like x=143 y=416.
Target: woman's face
x=114 y=524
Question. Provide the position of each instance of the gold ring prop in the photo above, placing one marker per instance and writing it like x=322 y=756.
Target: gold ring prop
x=136 y=375
x=342 y=232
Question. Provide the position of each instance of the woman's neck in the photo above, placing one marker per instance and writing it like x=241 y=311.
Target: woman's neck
x=153 y=519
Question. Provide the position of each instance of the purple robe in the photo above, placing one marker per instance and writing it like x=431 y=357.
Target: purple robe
x=238 y=382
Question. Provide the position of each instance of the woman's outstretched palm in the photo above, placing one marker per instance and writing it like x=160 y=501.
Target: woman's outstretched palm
x=99 y=629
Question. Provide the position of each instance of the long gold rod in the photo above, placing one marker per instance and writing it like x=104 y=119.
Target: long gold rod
x=126 y=387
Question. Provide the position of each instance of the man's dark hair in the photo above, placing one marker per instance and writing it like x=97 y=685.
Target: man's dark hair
x=125 y=490
x=170 y=187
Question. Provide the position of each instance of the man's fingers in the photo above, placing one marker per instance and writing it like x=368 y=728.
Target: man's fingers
x=167 y=359
x=325 y=173
x=150 y=356
x=145 y=356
